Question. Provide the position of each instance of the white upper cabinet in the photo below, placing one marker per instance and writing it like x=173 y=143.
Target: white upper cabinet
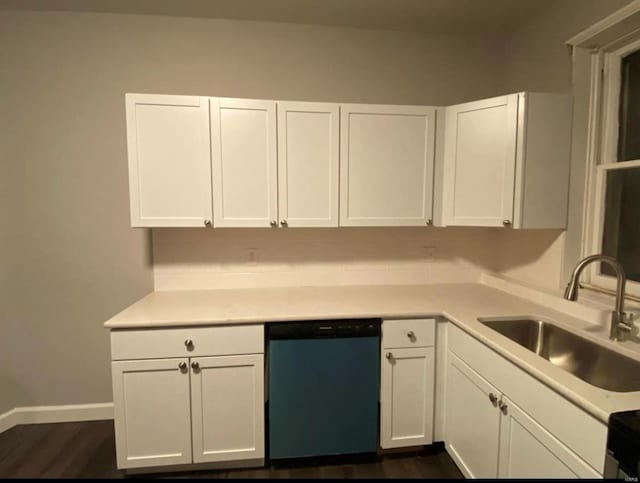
x=386 y=165
x=308 y=149
x=506 y=162
x=480 y=150
x=243 y=142
x=169 y=160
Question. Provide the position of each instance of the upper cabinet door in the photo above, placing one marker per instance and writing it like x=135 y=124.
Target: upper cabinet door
x=480 y=161
x=308 y=148
x=386 y=165
x=169 y=160
x=243 y=138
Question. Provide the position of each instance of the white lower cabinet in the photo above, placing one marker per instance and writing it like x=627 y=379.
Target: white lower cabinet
x=472 y=421
x=184 y=410
x=490 y=436
x=527 y=450
x=407 y=398
x=408 y=382
x=152 y=412
x=227 y=408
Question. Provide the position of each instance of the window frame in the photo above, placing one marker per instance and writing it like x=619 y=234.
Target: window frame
x=606 y=96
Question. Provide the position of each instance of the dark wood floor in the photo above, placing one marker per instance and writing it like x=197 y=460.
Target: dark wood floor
x=87 y=450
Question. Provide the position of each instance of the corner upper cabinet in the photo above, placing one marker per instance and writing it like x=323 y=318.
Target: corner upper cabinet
x=506 y=162
x=308 y=164
x=243 y=143
x=169 y=160
x=386 y=165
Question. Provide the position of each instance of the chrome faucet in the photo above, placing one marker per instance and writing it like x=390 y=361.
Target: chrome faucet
x=621 y=324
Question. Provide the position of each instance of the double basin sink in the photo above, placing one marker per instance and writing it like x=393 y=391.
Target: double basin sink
x=591 y=362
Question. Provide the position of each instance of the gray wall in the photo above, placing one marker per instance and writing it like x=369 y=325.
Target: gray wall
x=7 y=392
x=75 y=261
x=68 y=251
x=537 y=59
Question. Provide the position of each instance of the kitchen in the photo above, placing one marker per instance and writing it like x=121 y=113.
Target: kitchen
x=74 y=261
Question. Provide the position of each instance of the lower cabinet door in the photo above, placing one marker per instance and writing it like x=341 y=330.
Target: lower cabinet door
x=408 y=382
x=152 y=412
x=227 y=408
x=472 y=420
x=527 y=450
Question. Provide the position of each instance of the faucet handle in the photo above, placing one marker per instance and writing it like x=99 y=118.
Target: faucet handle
x=628 y=319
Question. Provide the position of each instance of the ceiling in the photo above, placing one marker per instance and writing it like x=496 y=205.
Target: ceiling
x=441 y=16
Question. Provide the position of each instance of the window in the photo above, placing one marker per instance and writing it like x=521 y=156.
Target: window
x=615 y=213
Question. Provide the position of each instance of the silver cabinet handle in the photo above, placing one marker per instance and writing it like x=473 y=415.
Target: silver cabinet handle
x=411 y=335
x=182 y=366
x=389 y=355
x=503 y=407
x=506 y=222
x=188 y=344
x=207 y=222
x=283 y=222
x=195 y=366
x=494 y=399
x=273 y=223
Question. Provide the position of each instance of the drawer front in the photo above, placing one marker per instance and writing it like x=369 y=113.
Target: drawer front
x=205 y=341
x=581 y=432
x=401 y=333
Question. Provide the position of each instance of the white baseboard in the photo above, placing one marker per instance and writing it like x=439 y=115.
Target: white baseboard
x=55 y=414
x=8 y=420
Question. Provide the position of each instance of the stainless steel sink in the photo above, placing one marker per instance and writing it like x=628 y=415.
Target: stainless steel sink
x=591 y=362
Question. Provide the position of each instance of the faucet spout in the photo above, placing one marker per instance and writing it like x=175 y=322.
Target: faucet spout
x=619 y=327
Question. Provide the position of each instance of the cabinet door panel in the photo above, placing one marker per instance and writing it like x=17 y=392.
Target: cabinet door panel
x=479 y=162
x=408 y=381
x=472 y=421
x=527 y=450
x=228 y=408
x=169 y=160
x=152 y=413
x=386 y=165
x=244 y=162
x=308 y=146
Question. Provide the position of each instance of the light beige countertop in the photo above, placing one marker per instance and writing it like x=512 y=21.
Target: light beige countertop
x=461 y=304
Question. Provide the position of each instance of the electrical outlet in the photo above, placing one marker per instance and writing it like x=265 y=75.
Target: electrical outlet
x=252 y=256
x=429 y=253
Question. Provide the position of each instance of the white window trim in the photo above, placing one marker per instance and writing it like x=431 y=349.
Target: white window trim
x=600 y=44
x=606 y=155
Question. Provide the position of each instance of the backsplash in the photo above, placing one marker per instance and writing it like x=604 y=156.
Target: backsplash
x=198 y=258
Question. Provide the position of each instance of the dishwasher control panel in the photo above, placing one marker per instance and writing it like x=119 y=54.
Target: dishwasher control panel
x=325 y=328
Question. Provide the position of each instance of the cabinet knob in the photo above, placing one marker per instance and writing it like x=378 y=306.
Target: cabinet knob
x=273 y=223
x=283 y=222
x=207 y=222
x=503 y=408
x=188 y=344
x=195 y=366
x=389 y=355
x=411 y=335
x=182 y=366
x=429 y=222
x=506 y=222
x=494 y=399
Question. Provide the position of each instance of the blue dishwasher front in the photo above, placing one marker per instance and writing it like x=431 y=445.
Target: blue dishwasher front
x=323 y=388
